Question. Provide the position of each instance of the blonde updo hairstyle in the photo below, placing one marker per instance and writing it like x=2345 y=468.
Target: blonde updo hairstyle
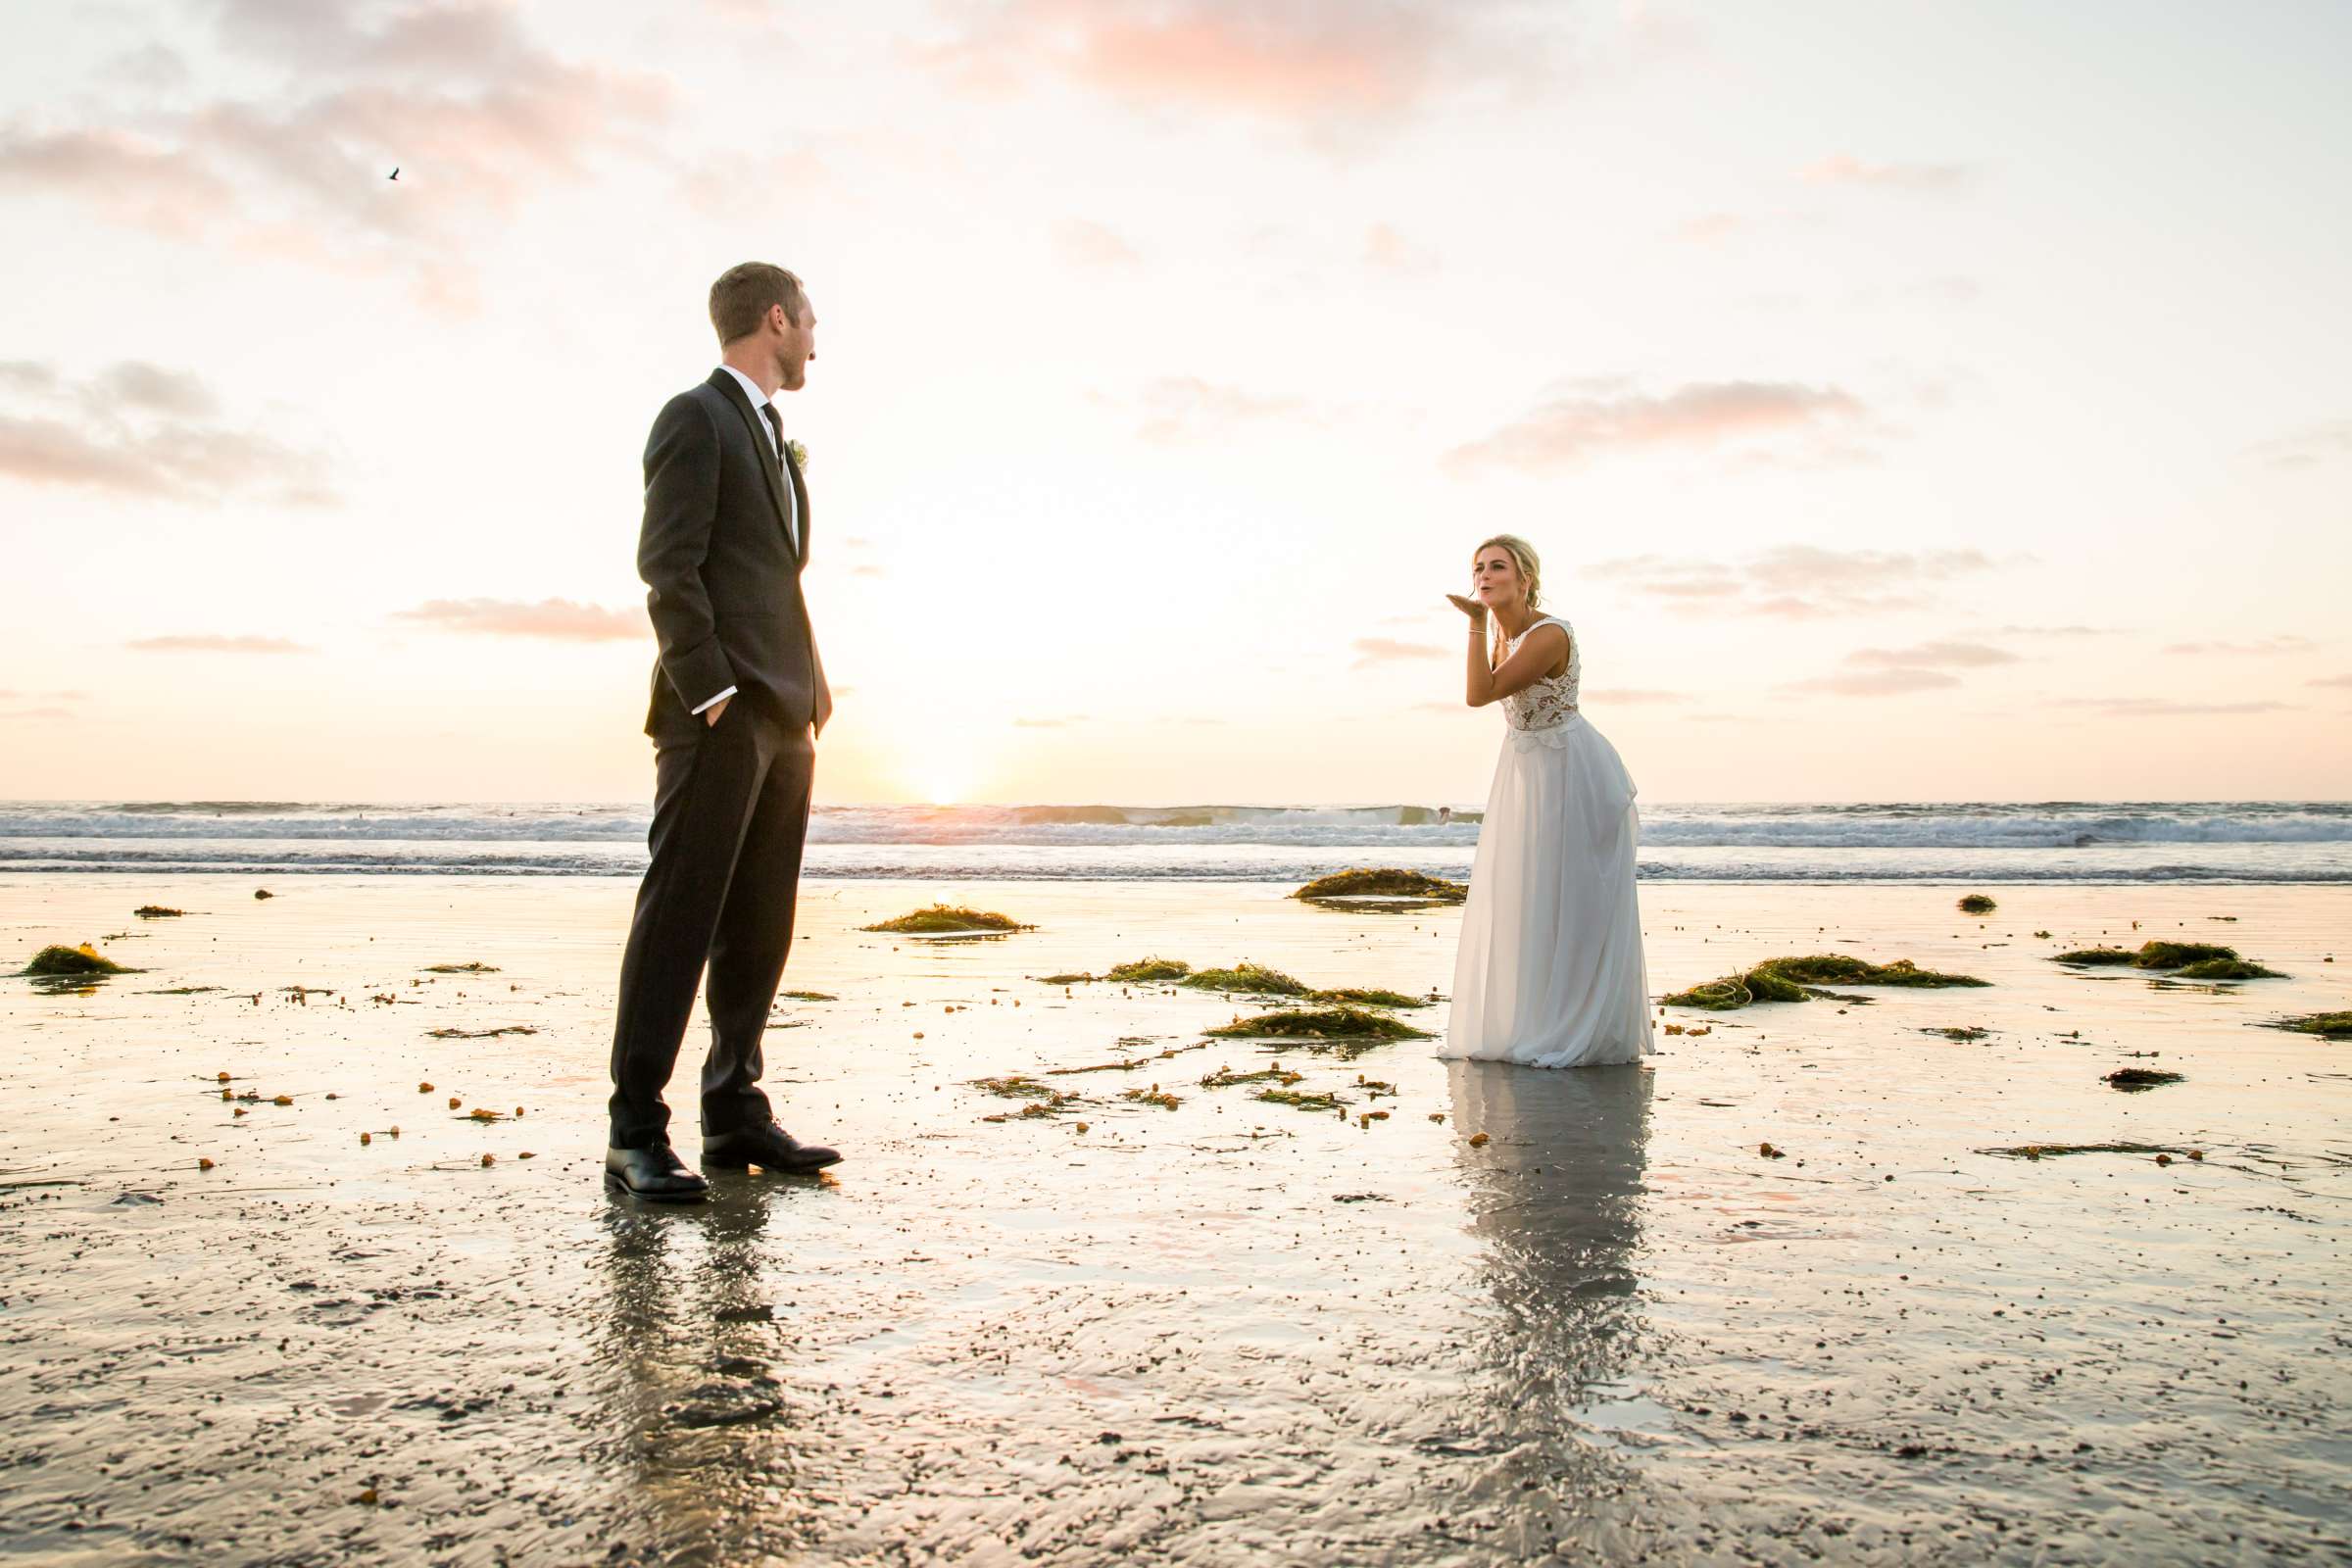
x=1531 y=570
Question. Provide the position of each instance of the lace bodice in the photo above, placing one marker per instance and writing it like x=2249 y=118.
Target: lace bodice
x=1551 y=703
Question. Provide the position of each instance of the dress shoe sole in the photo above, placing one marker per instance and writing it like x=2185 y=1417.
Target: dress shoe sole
x=797 y=1168
x=692 y=1194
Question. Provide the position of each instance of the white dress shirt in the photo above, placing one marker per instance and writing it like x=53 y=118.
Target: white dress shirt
x=792 y=496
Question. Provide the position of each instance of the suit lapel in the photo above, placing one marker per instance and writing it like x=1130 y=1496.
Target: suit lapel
x=756 y=425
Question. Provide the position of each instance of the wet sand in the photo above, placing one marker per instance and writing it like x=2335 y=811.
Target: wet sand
x=1226 y=1332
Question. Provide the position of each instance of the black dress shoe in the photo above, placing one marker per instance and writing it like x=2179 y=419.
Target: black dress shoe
x=770 y=1148
x=655 y=1173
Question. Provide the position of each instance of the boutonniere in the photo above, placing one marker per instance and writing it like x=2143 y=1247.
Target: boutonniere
x=799 y=453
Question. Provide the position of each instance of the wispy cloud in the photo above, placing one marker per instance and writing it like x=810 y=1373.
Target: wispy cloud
x=2166 y=708
x=1795 y=582
x=2305 y=448
x=152 y=389
x=1385 y=650
x=2061 y=631
x=2261 y=644
x=1723 y=228
x=1875 y=682
x=1185 y=408
x=1335 y=71
x=1933 y=656
x=715 y=186
x=215 y=642
x=1843 y=168
x=142 y=429
x=1631 y=696
x=1577 y=425
x=1082 y=242
x=1894 y=671
x=557 y=619
x=1711 y=228
x=1655 y=33
x=1386 y=248
x=1049 y=723
x=2331 y=680
x=474 y=113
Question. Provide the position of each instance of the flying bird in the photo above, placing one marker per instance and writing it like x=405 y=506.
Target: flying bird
x=395 y=174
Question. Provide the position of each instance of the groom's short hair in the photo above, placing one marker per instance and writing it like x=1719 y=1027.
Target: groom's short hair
x=739 y=299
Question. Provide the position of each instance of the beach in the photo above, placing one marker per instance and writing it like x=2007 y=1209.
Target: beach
x=1523 y=1313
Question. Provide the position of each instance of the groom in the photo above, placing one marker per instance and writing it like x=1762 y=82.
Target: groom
x=739 y=698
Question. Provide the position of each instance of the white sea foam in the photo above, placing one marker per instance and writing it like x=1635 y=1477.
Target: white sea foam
x=2060 y=841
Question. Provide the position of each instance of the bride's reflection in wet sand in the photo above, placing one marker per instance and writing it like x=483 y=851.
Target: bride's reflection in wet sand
x=704 y=1462
x=1555 y=1200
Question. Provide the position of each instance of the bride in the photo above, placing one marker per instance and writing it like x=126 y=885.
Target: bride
x=1549 y=972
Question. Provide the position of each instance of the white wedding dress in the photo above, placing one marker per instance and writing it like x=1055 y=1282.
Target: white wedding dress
x=1549 y=972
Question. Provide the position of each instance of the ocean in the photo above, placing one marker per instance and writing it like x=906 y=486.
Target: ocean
x=2059 y=841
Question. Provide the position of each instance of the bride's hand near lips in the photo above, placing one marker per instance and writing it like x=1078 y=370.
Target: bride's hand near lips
x=1469 y=607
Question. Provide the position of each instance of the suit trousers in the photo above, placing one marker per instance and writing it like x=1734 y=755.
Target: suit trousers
x=730 y=818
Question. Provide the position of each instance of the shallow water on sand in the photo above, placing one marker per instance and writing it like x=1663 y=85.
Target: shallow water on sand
x=1230 y=1331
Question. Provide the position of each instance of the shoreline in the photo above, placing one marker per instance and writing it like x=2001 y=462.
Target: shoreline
x=1613 y=1325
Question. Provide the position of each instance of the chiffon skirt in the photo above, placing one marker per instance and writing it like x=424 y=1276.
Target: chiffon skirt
x=1549 y=972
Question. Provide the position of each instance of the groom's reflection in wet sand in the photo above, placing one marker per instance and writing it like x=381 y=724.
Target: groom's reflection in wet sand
x=703 y=1464
x=1556 y=1198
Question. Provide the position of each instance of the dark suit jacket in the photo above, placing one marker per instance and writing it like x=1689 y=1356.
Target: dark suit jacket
x=723 y=581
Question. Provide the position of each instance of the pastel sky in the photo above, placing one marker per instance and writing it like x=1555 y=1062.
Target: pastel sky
x=1909 y=400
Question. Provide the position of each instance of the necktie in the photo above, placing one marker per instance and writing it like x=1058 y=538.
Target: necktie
x=775 y=426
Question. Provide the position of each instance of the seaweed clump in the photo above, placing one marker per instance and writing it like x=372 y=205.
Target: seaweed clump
x=2226 y=969
x=1322 y=1023
x=1140 y=971
x=155 y=911
x=944 y=920
x=1798 y=979
x=83 y=960
x=1299 y=1099
x=2137 y=1078
x=1258 y=980
x=1045 y=1100
x=1254 y=978
x=1977 y=904
x=2179 y=955
x=2327 y=1026
x=2194 y=961
x=2095 y=958
x=1226 y=1077
x=1148 y=969
x=2048 y=1151
x=1383 y=882
x=1369 y=997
